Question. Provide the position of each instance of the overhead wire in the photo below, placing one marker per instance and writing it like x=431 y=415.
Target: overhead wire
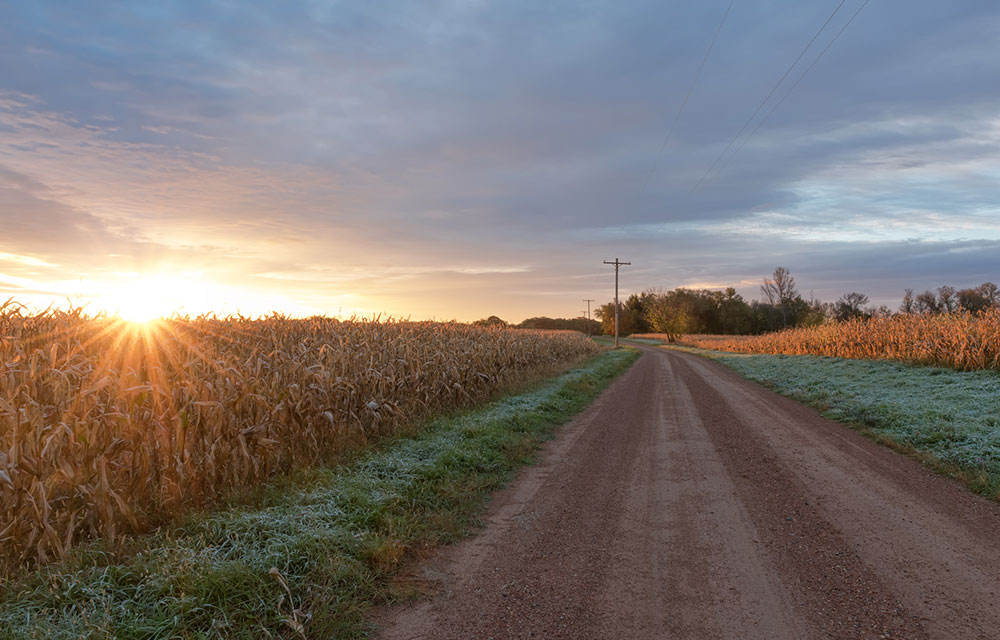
x=687 y=96
x=796 y=83
x=769 y=94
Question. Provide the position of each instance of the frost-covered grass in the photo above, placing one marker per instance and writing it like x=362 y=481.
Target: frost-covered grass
x=951 y=416
x=311 y=553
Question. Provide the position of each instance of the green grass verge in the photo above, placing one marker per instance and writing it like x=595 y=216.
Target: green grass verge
x=949 y=419
x=317 y=549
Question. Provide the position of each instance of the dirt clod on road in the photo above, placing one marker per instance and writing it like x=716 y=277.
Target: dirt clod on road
x=690 y=503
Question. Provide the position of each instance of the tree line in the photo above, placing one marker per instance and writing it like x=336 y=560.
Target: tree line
x=684 y=311
x=581 y=324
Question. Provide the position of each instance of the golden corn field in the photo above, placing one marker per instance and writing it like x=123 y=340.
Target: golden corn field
x=108 y=428
x=962 y=341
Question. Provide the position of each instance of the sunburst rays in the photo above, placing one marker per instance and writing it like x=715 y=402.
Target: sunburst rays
x=109 y=426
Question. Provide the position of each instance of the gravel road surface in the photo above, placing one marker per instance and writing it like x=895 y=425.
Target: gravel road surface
x=690 y=503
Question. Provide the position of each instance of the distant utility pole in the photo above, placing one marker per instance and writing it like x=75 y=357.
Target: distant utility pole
x=588 y=301
x=616 y=264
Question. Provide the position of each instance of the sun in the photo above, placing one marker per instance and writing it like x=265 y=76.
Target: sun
x=144 y=299
x=142 y=311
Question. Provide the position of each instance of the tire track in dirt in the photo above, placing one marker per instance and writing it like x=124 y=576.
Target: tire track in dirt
x=932 y=541
x=690 y=503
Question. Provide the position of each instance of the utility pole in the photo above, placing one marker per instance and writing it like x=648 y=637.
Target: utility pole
x=616 y=264
x=588 y=301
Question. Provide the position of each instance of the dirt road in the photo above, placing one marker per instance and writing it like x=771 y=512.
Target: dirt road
x=690 y=503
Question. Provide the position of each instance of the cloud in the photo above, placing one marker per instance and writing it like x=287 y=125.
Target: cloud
x=25 y=260
x=404 y=151
x=38 y=225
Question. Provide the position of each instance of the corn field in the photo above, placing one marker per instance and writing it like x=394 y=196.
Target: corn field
x=962 y=341
x=107 y=429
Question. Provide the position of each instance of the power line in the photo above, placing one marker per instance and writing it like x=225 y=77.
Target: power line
x=666 y=140
x=796 y=83
x=768 y=96
x=697 y=75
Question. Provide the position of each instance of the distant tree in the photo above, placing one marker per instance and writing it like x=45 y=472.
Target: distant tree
x=983 y=297
x=971 y=300
x=926 y=302
x=990 y=292
x=799 y=313
x=947 y=300
x=765 y=317
x=779 y=291
x=606 y=313
x=850 y=305
x=632 y=315
x=908 y=305
x=815 y=313
x=780 y=288
x=672 y=314
x=734 y=313
x=492 y=321
x=573 y=324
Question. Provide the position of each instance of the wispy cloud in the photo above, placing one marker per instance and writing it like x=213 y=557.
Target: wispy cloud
x=25 y=260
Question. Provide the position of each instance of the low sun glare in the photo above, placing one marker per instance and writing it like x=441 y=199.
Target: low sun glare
x=141 y=299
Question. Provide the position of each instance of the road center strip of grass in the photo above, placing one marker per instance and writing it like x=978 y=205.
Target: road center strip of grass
x=317 y=550
x=949 y=419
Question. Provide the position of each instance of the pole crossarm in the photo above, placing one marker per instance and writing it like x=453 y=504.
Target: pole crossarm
x=617 y=265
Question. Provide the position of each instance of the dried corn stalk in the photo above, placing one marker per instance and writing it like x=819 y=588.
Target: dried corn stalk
x=106 y=429
x=963 y=341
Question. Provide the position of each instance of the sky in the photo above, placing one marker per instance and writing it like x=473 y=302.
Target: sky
x=456 y=159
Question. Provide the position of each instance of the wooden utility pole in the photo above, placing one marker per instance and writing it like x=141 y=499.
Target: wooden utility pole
x=616 y=264
x=588 y=301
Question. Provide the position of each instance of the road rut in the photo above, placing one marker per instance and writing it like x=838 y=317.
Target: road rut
x=688 y=502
